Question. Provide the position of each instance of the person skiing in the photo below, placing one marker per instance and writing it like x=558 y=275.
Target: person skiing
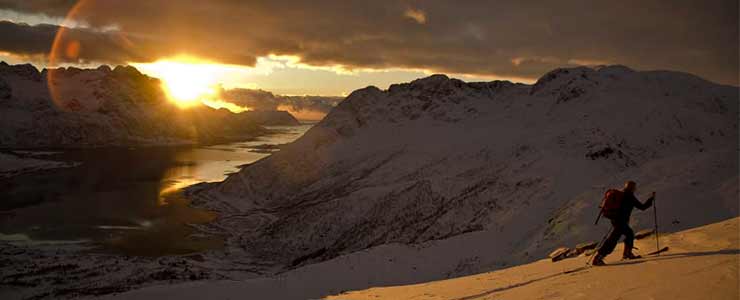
x=618 y=207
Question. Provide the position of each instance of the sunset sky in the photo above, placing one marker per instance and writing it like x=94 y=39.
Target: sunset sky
x=333 y=47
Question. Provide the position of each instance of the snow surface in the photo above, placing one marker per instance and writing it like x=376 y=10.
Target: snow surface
x=702 y=263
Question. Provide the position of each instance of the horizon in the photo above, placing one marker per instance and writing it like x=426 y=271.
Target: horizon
x=215 y=95
x=195 y=48
x=462 y=78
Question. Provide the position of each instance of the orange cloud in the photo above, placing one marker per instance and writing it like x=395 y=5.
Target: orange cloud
x=416 y=14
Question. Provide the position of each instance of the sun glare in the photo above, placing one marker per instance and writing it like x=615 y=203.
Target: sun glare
x=187 y=81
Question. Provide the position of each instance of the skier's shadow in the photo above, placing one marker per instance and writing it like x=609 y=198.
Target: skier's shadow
x=622 y=263
x=674 y=256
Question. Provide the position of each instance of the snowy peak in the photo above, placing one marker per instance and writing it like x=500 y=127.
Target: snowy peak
x=436 y=97
x=566 y=84
x=73 y=107
x=438 y=158
x=436 y=82
x=614 y=70
x=447 y=99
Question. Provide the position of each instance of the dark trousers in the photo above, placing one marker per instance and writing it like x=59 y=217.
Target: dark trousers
x=619 y=228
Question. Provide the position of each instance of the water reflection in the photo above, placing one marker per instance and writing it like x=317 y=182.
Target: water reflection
x=127 y=200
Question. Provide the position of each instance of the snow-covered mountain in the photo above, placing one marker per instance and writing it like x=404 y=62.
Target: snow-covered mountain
x=476 y=176
x=104 y=107
x=270 y=117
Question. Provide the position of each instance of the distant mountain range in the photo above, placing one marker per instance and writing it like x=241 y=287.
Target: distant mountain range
x=110 y=107
x=475 y=176
x=303 y=107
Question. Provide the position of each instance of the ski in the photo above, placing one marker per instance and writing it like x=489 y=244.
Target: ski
x=588 y=264
x=661 y=250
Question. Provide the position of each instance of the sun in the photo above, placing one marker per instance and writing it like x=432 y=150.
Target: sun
x=186 y=84
x=187 y=81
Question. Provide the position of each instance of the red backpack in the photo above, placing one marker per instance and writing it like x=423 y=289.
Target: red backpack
x=612 y=203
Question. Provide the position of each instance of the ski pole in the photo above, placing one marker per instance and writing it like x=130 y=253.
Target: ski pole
x=596 y=250
x=655 y=215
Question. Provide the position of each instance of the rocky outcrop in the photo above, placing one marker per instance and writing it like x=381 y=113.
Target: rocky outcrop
x=559 y=254
x=565 y=252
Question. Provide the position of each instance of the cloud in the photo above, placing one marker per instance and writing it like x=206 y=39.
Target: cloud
x=474 y=37
x=302 y=107
x=415 y=14
x=23 y=39
x=84 y=45
x=588 y=62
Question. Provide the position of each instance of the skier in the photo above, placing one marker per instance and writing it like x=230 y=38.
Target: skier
x=620 y=204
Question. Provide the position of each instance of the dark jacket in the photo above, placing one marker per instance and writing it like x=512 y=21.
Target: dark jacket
x=630 y=202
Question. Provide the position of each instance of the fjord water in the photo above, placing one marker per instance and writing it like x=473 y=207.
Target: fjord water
x=125 y=200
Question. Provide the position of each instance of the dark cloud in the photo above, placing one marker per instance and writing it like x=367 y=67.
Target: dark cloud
x=25 y=39
x=104 y=46
x=58 y=8
x=504 y=38
x=92 y=45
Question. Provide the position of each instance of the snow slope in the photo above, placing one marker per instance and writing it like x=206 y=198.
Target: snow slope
x=702 y=264
x=483 y=175
x=71 y=107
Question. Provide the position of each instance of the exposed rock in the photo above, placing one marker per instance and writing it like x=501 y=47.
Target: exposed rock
x=559 y=254
x=565 y=252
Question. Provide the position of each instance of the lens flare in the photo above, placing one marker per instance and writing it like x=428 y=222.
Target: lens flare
x=187 y=81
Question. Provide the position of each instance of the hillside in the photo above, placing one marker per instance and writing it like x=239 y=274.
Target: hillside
x=479 y=176
x=702 y=264
x=74 y=108
x=271 y=117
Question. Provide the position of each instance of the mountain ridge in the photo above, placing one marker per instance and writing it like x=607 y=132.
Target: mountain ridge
x=439 y=158
x=72 y=107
